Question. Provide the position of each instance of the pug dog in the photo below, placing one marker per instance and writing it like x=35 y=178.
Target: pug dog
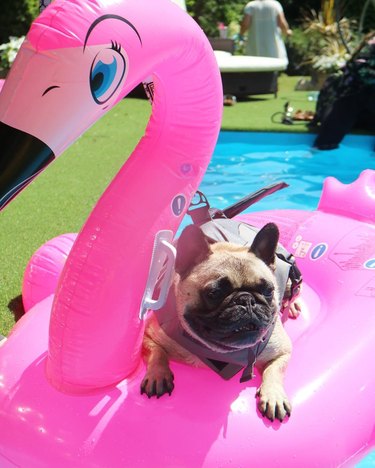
x=224 y=299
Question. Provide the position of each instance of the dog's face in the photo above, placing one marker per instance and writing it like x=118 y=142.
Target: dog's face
x=226 y=295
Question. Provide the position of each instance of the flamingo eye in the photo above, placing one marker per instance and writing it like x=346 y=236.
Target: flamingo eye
x=106 y=74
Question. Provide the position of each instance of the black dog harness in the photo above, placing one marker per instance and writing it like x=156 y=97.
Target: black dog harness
x=225 y=364
x=216 y=226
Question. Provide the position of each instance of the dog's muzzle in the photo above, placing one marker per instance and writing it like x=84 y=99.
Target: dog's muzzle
x=243 y=307
x=239 y=317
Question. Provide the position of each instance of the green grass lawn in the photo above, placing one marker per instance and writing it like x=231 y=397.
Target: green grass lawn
x=256 y=113
x=60 y=199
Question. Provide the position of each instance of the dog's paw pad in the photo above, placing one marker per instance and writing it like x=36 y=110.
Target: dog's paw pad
x=157 y=383
x=273 y=404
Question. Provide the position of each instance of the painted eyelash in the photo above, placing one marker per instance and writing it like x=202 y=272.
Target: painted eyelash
x=115 y=46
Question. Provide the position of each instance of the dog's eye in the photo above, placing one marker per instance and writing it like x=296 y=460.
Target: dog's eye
x=267 y=291
x=216 y=293
x=213 y=296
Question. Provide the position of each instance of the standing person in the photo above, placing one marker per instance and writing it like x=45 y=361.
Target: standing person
x=265 y=22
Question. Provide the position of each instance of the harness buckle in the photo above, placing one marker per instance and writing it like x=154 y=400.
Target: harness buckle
x=161 y=267
x=295 y=277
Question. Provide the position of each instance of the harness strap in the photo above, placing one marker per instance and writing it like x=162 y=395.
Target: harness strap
x=295 y=277
x=200 y=210
x=253 y=353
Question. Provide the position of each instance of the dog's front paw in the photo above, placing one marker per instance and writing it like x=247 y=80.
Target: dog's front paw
x=157 y=382
x=294 y=309
x=273 y=402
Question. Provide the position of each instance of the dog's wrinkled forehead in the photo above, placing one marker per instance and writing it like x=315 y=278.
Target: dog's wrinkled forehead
x=234 y=262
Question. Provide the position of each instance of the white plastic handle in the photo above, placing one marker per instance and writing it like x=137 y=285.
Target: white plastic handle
x=163 y=258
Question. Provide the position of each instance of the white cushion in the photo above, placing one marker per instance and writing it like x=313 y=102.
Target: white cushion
x=245 y=63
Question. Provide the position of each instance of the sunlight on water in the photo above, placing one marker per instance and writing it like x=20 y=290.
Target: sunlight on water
x=244 y=162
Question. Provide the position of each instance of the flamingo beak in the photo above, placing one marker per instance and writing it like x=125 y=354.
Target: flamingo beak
x=22 y=157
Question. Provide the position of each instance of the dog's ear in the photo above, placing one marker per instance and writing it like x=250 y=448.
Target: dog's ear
x=192 y=248
x=265 y=243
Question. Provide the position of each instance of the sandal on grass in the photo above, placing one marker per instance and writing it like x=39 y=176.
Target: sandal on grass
x=229 y=100
x=303 y=115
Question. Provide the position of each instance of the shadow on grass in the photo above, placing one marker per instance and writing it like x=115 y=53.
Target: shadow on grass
x=253 y=98
x=16 y=307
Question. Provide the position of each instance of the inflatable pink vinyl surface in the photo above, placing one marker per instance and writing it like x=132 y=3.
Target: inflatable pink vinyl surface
x=92 y=54
x=71 y=369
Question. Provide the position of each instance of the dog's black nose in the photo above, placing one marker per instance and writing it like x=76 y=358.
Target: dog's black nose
x=244 y=299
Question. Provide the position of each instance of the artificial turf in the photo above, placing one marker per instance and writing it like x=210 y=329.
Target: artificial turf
x=61 y=198
x=263 y=113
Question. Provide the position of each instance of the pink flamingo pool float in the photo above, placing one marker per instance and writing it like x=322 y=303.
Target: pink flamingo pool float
x=71 y=368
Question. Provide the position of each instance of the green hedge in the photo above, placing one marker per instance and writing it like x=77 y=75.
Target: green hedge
x=16 y=17
x=297 y=47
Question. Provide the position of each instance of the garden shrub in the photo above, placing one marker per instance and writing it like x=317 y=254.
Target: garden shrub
x=16 y=17
x=297 y=47
x=8 y=52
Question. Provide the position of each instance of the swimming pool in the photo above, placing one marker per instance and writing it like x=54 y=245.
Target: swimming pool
x=244 y=162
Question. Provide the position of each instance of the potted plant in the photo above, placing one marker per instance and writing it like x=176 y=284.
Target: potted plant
x=329 y=44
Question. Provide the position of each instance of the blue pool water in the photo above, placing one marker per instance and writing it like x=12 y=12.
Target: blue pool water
x=245 y=162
